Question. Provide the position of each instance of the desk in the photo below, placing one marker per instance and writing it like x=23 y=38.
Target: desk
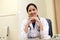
x=55 y=37
x=46 y=39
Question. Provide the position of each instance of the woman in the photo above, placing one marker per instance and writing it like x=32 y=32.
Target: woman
x=33 y=26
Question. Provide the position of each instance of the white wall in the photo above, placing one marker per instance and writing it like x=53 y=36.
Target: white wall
x=8 y=7
x=8 y=11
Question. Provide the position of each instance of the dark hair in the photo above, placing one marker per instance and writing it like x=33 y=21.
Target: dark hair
x=30 y=5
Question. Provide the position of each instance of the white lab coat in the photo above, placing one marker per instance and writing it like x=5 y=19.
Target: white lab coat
x=43 y=34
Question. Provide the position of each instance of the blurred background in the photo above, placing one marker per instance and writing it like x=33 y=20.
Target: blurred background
x=12 y=13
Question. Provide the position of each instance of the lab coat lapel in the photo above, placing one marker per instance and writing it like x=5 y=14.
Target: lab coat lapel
x=31 y=25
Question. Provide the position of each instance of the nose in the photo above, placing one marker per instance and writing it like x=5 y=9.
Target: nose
x=32 y=12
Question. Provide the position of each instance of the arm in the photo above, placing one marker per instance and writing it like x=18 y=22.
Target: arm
x=24 y=29
x=26 y=26
x=22 y=32
x=44 y=33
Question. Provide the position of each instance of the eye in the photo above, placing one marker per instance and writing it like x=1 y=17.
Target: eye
x=33 y=9
x=29 y=10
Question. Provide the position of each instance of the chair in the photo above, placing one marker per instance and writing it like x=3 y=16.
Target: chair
x=50 y=27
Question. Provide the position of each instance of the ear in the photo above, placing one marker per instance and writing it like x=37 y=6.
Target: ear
x=28 y=15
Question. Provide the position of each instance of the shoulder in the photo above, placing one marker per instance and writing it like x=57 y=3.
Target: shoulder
x=44 y=23
x=43 y=19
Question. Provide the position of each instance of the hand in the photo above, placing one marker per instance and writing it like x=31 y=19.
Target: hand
x=39 y=22
x=34 y=19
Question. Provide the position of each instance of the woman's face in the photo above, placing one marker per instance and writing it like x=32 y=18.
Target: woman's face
x=32 y=11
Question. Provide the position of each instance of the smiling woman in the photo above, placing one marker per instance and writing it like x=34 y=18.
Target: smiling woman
x=33 y=26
